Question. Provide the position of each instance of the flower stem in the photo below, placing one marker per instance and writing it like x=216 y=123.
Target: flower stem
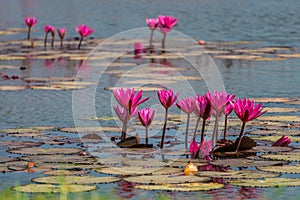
x=80 y=43
x=146 y=139
x=61 y=42
x=28 y=33
x=164 y=130
x=52 y=42
x=151 y=39
x=187 y=131
x=197 y=123
x=225 y=127
x=163 y=43
x=202 y=131
x=45 y=41
x=124 y=129
x=240 y=137
x=215 y=133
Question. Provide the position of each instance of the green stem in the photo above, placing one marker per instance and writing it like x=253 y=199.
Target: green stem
x=197 y=123
x=146 y=135
x=164 y=130
x=202 y=131
x=225 y=127
x=80 y=43
x=187 y=131
x=240 y=137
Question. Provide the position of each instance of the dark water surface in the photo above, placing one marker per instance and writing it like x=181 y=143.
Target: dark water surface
x=267 y=23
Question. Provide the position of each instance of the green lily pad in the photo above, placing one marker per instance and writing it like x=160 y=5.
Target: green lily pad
x=166 y=179
x=185 y=187
x=7 y=159
x=274 y=138
x=66 y=172
x=281 y=110
x=10 y=144
x=236 y=174
x=47 y=188
x=37 y=129
x=267 y=182
x=289 y=156
x=44 y=151
x=244 y=162
x=291 y=169
x=272 y=100
x=75 y=180
x=59 y=158
x=288 y=118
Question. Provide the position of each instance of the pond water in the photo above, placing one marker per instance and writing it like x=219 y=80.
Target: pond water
x=258 y=24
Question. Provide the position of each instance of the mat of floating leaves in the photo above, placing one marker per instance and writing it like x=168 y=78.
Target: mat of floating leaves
x=138 y=170
x=7 y=159
x=56 y=87
x=146 y=163
x=144 y=88
x=288 y=118
x=59 y=158
x=75 y=180
x=275 y=132
x=274 y=138
x=267 y=182
x=236 y=174
x=288 y=156
x=185 y=187
x=281 y=110
x=64 y=166
x=182 y=162
x=10 y=144
x=289 y=169
x=39 y=136
x=66 y=172
x=48 y=188
x=91 y=129
x=44 y=151
x=35 y=129
x=267 y=149
x=242 y=162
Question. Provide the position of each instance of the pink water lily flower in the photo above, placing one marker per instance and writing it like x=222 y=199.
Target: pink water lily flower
x=166 y=23
x=284 y=141
x=61 y=33
x=146 y=116
x=246 y=111
x=202 y=110
x=152 y=23
x=49 y=29
x=167 y=98
x=204 y=150
x=84 y=31
x=186 y=105
x=30 y=22
x=193 y=147
x=122 y=113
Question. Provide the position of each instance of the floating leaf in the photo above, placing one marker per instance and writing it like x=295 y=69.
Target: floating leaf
x=47 y=188
x=19 y=144
x=238 y=57
x=236 y=174
x=91 y=129
x=34 y=129
x=56 y=87
x=146 y=163
x=75 y=179
x=289 y=156
x=44 y=151
x=59 y=159
x=290 y=118
x=281 y=110
x=267 y=182
x=244 y=162
x=294 y=169
x=272 y=100
x=66 y=172
x=50 y=79
x=166 y=179
x=274 y=138
x=144 y=88
x=186 y=187
x=13 y=87
x=7 y=159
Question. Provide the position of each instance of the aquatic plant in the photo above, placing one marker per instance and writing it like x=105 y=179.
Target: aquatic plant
x=152 y=24
x=48 y=29
x=84 y=31
x=228 y=110
x=282 y=142
x=167 y=98
x=202 y=109
x=61 y=33
x=186 y=105
x=128 y=100
x=246 y=111
x=166 y=23
x=146 y=116
x=30 y=21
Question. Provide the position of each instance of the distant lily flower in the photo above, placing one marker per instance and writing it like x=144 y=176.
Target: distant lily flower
x=283 y=141
x=146 y=116
x=48 y=29
x=84 y=31
x=128 y=100
x=30 y=21
x=218 y=101
x=202 y=109
x=186 y=105
x=246 y=111
x=152 y=24
x=167 y=98
x=61 y=33
x=166 y=23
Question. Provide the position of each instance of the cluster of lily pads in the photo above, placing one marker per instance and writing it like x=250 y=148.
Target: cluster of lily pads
x=83 y=30
x=204 y=106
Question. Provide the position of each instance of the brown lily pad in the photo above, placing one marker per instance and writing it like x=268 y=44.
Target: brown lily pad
x=34 y=129
x=66 y=172
x=242 y=162
x=290 y=118
x=44 y=151
x=288 y=156
x=48 y=188
x=185 y=187
x=12 y=87
x=267 y=182
x=19 y=144
x=291 y=169
x=91 y=129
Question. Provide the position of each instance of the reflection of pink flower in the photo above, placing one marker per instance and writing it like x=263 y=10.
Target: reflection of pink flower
x=282 y=142
x=138 y=50
x=49 y=62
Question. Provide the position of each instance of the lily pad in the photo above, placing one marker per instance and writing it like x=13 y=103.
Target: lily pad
x=281 y=110
x=66 y=172
x=91 y=129
x=146 y=163
x=236 y=174
x=272 y=100
x=59 y=158
x=19 y=144
x=289 y=156
x=36 y=129
x=274 y=138
x=75 y=180
x=290 y=118
x=7 y=159
x=185 y=187
x=44 y=151
x=244 y=162
x=291 y=169
x=267 y=182
x=48 y=188
x=238 y=57
x=56 y=87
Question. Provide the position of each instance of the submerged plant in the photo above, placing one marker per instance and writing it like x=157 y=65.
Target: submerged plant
x=186 y=105
x=166 y=23
x=167 y=98
x=84 y=31
x=152 y=24
x=30 y=21
x=246 y=111
x=202 y=109
x=61 y=33
x=146 y=116
x=129 y=101
x=48 y=29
